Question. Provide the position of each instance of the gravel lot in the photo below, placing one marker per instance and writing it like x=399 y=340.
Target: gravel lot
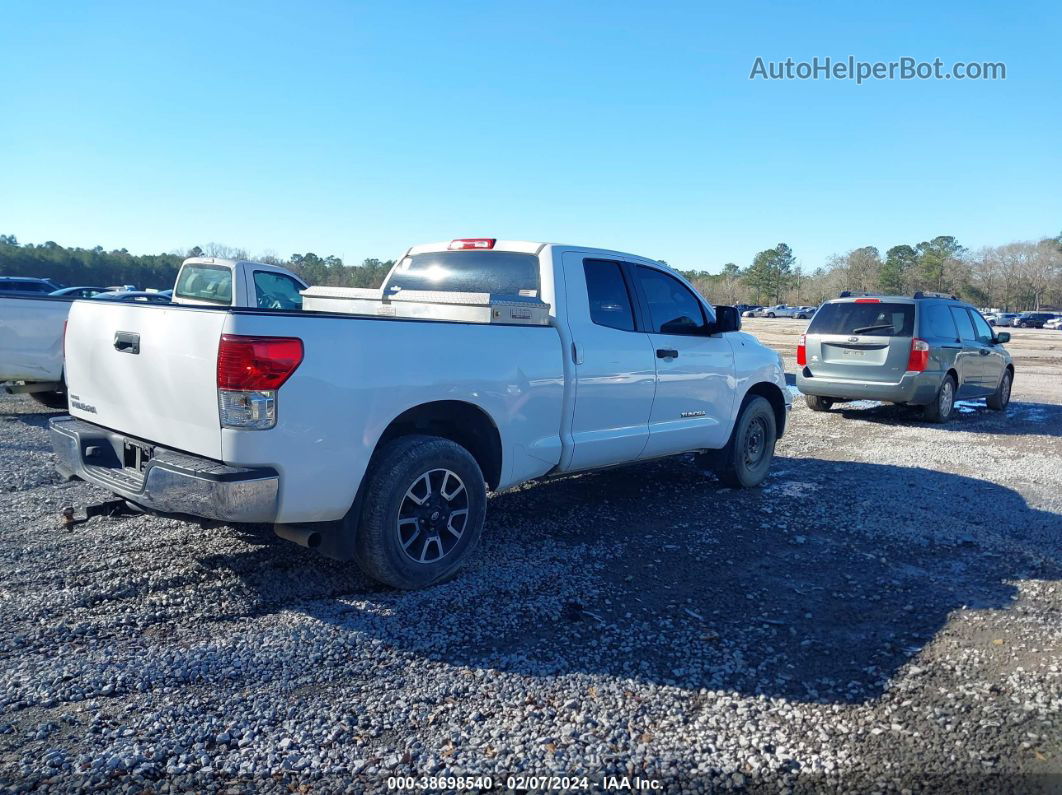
x=885 y=614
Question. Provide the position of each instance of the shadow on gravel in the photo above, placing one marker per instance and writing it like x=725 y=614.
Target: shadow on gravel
x=971 y=416
x=817 y=587
x=37 y=419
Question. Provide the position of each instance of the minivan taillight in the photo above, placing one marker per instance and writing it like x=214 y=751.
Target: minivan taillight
x=919 y=358
x=250 y=371
x=802 y=351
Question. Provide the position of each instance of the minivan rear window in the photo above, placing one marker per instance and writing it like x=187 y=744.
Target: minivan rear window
x=877 y=319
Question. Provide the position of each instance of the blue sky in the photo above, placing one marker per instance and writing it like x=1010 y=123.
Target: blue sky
x=356 y=129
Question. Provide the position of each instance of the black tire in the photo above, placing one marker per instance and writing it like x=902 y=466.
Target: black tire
x=816 y=403
x=943 y=406
x=770 y=314
x=53 y=400
x=999 y=399
x=732 y=464
x=387 y=550
x=802 y=317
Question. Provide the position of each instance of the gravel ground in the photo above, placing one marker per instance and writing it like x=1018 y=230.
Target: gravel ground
x=884 y=614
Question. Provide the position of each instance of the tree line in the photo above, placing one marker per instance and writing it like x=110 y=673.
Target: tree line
x=1015 y=276
x=96 y=267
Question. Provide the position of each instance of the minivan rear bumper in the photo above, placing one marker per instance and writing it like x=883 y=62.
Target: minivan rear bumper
x=915 y=388
x=169 y=481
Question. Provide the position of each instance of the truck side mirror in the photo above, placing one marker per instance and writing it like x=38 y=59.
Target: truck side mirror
x=1001 y=337
x=727 y=318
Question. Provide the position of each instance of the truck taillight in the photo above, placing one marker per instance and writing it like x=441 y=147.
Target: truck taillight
x=802 y=351
x=918 y=361
x=472 y=242
x=250 y=371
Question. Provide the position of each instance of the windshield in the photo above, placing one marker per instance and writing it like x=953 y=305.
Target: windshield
x=497 y=272
x=876 y=319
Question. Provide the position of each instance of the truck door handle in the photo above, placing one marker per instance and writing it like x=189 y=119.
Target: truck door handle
x=126 y=342
x=666 y=353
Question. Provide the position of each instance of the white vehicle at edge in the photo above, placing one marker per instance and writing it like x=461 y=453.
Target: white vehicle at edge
x=375 y=437
x=31 y=326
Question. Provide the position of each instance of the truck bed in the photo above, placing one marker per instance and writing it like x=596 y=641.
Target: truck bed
x=357 y=375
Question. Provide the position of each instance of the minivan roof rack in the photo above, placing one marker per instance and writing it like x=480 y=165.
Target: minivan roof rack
x=924 y=294
x=853 y=294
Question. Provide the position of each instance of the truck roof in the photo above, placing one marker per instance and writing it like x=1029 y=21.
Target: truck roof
x=530 y=247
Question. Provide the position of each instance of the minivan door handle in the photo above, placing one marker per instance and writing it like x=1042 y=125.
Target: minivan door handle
x=127 y=342
x=666 y=353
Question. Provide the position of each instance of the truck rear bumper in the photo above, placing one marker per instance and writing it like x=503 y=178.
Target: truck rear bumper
x=915 y=388
x=161 y=479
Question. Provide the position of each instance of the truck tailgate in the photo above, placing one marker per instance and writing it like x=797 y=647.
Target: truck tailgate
x=147 y=371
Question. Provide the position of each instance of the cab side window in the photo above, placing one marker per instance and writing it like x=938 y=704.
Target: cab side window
x=965 y=325
x=276 y=291
x=610 y=303
x=673 y=308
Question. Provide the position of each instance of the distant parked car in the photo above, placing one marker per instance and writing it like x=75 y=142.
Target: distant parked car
x=804 y=312
x=1032 y=319
x=743 y=308
x=751 y=310
x=1054 y=323
x=78 y=292
x=26 y=285
x=1002 y=319
x=781 y=310
x=133 y=295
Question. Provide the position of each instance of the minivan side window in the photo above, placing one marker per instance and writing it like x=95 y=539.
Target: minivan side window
x=935 y=321
x=965 y=325
x=610 y=303
x=984 y=331
x=673 y=309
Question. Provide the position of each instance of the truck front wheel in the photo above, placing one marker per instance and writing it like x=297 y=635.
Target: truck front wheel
x=425 y=499
x=746 y=459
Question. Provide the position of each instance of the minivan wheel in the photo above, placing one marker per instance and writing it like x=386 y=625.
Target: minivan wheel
x=746 y=459
x=816 y=403
x=425 y=499
x=770 y=314
x=999 y=399
x=940 y=410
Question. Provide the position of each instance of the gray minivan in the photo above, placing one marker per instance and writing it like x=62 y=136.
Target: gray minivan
x=927 y=350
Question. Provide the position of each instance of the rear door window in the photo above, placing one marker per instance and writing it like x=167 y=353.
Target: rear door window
x=610 y=303
x=877 y=319
x=936 y=322
x=210 y=283
x=965 y=325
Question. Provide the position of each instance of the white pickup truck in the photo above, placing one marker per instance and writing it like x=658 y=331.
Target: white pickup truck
x=375 y=435
x=31 y=327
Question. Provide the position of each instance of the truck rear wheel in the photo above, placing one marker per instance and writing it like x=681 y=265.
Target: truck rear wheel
x=746 y=459
x=425 y=499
